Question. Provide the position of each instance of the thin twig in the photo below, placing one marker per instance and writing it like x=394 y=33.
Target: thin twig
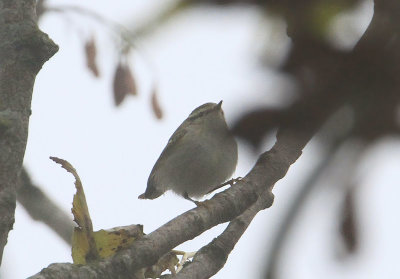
x=41 y=208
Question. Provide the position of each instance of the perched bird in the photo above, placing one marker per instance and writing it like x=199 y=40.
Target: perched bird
x=200 y=155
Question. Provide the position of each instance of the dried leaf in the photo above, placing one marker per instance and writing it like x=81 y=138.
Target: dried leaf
x=168 y=261
x=83 y=238
x=111 y=241
x=108 y=242
x=155 y=104
x=90 y=52
x=124 y=83
x=89 y=246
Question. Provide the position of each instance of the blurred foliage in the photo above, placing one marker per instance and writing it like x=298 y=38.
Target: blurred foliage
x=363 y=80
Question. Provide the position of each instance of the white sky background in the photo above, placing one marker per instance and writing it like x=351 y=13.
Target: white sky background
x=201 y=56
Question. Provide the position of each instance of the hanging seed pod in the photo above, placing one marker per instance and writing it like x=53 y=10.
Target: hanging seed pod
x=91 y=52
x=123 y=84
x=155 y=105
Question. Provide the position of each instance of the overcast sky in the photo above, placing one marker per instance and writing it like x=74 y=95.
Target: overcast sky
x=205 y=55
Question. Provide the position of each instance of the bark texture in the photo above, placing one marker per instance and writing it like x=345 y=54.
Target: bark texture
x=23 y=50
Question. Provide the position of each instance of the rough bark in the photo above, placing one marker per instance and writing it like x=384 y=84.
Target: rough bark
x=212 y=257
x=23 y=50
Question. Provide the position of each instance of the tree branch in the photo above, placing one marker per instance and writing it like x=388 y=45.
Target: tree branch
x=295 y=208
x=212 y=257
x=223 y=207
x=341 y=86
x=42 y=208
x=376 y=52
x=23 y=51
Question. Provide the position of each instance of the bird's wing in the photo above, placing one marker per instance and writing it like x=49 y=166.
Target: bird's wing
x=179 y=134
x=176 y=137
x=171 y=146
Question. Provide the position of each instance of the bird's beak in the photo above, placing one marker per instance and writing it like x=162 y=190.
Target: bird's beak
x=219 y=105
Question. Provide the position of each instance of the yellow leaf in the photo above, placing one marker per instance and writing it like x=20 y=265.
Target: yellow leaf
x=111 y=241
x=83 y=238
x=89 y=246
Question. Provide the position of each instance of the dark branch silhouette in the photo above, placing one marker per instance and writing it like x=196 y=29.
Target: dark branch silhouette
x=42 y=208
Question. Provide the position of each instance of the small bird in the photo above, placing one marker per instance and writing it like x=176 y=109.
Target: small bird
x=200 y=155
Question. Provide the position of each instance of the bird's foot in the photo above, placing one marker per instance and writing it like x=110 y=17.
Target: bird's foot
x=186 y=196
x=197 y=203
x=229 y=182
